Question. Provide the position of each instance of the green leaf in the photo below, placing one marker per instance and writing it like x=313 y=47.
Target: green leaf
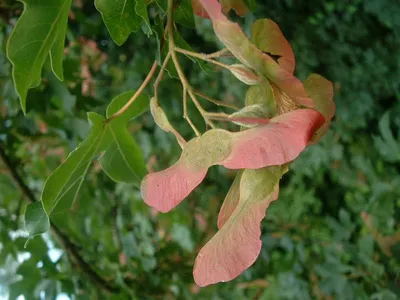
x=183 y=13
x=64 y=183
x=123 y=160
x=120 y=18
x=138 y=107
x=32 y=41
x=141 y=10
x=36 y=220
x=182 y=236
x=386 y=144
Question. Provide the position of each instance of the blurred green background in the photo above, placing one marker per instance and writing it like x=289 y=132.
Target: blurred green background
x=334 y=232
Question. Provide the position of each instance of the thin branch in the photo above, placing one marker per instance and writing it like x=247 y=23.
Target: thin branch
x=138 y=92
x=186 y=115
x=217 y=54
x=182 y=77
x=178 y=136
x=200 y=108
x=160 y=74
x=216 y=102
x=217 y=115
x=202 y=56
x=67 y=245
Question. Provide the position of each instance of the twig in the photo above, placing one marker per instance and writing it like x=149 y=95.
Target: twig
x=202 y=56
x=160 y=75
x=216 y=102
x=67 y=245
x=217 y=54
x=138 y=92
x=217 y=115
x=178 y=67
x=186 y=115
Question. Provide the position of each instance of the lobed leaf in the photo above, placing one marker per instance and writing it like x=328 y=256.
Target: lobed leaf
x=237 y=244
x=65 y=182
x=137 y=108
x=245 y=51
x=32 y=41
x=141 y=10
x=119 y=17
x=123 y=160
x=183 y=12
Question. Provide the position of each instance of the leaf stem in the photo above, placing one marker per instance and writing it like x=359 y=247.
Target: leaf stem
x=137 y=94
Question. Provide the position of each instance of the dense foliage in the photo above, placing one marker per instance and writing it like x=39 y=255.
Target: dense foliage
x=333 y=233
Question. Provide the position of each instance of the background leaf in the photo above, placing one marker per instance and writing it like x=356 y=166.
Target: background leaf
x=63 y=186
x=31 y=41
x=120 y=18
x=36 y=219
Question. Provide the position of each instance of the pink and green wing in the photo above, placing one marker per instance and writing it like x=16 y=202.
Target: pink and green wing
x=166 y=189
x=230 y=202
x=245 y=51
x=268 y=37
x=237 y=244
x=321 y=91
x=276 y=143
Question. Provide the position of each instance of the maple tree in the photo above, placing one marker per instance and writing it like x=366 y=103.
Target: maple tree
x=281 y=116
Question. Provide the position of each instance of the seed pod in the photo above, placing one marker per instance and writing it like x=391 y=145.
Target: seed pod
x=159 y=116
x=244 y=74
